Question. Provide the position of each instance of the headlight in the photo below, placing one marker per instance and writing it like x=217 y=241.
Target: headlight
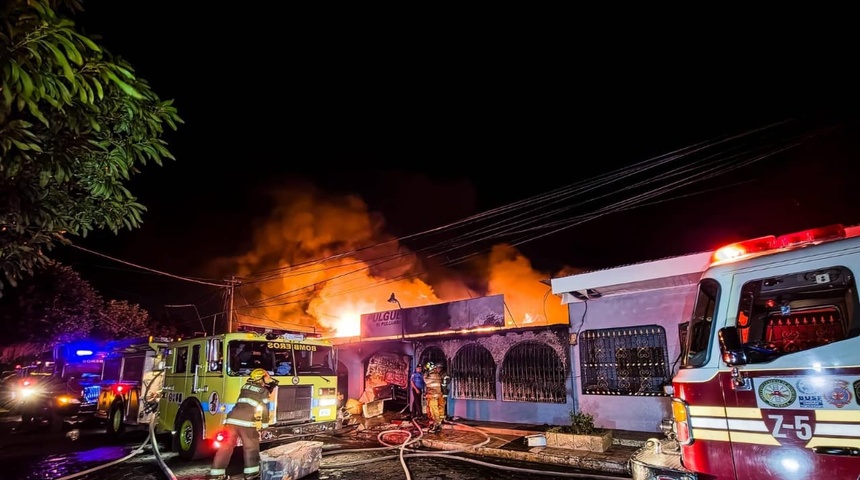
x=27 y=392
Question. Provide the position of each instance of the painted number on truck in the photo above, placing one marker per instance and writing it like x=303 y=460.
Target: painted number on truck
x=784 y=426
x=173 y=397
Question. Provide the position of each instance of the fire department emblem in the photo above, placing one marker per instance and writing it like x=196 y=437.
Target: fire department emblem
x=805 y=387
x=213 y=403
x=777 y=393
x=840 y=395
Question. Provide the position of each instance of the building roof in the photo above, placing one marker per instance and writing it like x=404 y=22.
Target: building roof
x=650 y=275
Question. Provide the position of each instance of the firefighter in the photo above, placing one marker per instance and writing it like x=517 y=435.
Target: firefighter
x=433 y=392
x=446 y=388
x=245 y=421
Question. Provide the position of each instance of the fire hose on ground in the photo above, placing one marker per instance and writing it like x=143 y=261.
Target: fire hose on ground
x=444 y=454
x=150 y=438
x=401 y=455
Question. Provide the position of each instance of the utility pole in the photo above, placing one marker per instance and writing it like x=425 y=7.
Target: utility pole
x=232 y=293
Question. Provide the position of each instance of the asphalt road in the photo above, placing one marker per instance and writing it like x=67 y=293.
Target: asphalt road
x=35 y=454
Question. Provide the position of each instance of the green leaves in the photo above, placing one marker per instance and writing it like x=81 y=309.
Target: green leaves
x=76 y=124
x=128 y=89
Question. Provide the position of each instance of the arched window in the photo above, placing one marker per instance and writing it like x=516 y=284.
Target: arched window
x=533 y=372
x=433 y=354
x=473 y=374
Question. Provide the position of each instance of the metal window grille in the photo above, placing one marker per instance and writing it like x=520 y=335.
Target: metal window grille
x=533 y=372
x=624 y=361
x=473 y=374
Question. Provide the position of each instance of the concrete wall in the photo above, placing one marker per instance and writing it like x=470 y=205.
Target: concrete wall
x=509 y=411
x=355 y=356
x=666 y=307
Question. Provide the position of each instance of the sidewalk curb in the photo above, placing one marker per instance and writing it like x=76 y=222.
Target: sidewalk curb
x=543 y=455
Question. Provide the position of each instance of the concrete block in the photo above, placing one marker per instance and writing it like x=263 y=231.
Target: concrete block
x=290 y=461
x=592 y=443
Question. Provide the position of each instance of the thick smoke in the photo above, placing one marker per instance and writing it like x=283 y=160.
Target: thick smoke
x=321 y=260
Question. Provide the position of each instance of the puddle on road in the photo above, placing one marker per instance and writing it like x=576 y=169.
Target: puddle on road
x=56 y=466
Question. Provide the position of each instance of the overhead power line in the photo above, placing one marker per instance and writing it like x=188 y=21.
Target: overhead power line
x=530 y=219
x=533 y=218
x=177 y=277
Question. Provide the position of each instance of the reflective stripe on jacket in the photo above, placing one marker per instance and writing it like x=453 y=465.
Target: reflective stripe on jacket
x=434 y=384
x=251 y=397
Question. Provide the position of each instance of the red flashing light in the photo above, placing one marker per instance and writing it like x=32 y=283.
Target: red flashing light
x=25 y=383
x=740 y=249
x=852 y=231
x=830 y=232
x=790 y=240
x=220 y=436
x=119 y=389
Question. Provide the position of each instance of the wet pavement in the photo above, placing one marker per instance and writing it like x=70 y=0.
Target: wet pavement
x=363 y=452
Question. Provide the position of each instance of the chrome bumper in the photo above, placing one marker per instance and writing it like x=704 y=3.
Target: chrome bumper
x=659 y=460
x=286 y=432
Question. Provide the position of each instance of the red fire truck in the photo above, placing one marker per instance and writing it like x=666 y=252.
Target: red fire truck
x=770 y=381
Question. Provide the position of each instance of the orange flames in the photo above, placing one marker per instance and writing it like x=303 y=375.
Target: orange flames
x=322 y=261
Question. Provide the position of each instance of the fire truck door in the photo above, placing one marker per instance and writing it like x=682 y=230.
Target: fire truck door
x=174 y=388
x=210 y=378
x=134 y=367
x=778 y=409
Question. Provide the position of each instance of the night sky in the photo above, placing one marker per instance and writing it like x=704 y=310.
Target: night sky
x=428 y=131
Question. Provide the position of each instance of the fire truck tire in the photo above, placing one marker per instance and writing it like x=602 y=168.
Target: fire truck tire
x=188 y=440
x=115 y=426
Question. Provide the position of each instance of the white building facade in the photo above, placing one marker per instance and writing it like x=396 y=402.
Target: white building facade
x=625 y=337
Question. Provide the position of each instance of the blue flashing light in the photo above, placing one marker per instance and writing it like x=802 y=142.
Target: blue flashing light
x=78 y=350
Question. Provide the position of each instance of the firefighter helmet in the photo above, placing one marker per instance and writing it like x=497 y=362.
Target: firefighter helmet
x=257 y=375
x=429 y=366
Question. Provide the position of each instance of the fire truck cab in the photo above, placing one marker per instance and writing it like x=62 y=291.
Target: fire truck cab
x=131 y=383
x=769 y=385
x=203 y=376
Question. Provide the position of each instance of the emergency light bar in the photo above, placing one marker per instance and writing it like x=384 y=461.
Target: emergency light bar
x=762 y=244
x=831 y=232
x=273 y=333
x=742 y=249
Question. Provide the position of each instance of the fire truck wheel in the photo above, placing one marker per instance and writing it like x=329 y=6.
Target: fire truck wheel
x=188 y=440
x=115 y=424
